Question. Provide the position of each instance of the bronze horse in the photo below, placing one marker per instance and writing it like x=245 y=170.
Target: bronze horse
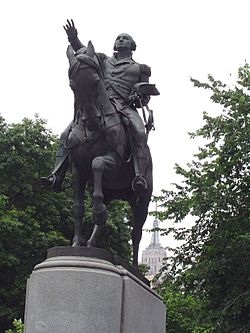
x=99 y=152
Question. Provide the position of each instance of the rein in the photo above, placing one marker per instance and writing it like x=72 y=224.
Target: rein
x=90 y=61
x=102 y=116
x=84 y=58
x=106 y=125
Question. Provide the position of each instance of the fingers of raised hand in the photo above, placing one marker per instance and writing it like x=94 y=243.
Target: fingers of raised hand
x=70 y=24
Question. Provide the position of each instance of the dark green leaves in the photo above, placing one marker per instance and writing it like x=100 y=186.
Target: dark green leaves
x=212 y=265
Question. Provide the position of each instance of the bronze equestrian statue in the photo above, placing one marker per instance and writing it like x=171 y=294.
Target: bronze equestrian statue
x=106 y=143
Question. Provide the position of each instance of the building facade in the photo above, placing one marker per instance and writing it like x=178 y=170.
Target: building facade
x=154 y=254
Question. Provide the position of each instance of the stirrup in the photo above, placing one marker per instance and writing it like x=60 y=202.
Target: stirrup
x=139 y=184
x=52 y=182
x=48 y=182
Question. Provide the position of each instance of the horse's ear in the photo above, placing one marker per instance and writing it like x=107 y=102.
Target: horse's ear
x=70 y=52
x=90 y=49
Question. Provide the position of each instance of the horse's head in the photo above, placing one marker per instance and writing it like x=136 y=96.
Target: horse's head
x=88 y=51
x=85 y=80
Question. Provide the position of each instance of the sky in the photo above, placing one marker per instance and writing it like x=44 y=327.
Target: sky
x=178 y=39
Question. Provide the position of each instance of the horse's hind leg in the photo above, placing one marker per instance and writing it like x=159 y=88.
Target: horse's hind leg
x=99 y=210
x=78 y=187
x=140 y=211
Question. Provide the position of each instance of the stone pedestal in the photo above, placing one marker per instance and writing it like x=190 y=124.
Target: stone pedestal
x=87 y=290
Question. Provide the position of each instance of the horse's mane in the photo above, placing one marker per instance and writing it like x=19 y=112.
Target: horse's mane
x=82 y=57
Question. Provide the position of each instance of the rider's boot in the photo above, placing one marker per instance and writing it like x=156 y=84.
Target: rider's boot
x=55 y=179
x=139 y=183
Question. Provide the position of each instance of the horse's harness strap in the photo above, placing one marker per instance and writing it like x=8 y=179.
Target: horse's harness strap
x=99 y=116
x=91 y=118
x=90 y=62
x=149 y=123
x=113 y=125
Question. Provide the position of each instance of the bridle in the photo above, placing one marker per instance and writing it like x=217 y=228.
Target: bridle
x=75 y=64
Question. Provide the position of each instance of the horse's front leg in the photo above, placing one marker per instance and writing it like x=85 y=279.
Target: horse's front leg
x=78 y=187
x=99 y=210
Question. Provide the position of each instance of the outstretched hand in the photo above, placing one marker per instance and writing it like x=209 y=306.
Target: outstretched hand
x=70 y=29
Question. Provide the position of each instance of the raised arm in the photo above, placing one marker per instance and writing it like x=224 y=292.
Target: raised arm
x=71 y=32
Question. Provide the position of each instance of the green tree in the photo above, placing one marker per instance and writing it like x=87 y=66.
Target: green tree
x=213 y=262
x=144 y=268
x=31 y=222
x=183 y=310
x=18 y=327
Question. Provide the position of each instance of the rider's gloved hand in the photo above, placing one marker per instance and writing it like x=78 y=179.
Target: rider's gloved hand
x=139 y=100
x=70 y=30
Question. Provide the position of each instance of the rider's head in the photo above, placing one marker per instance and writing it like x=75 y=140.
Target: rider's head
x=124 y=42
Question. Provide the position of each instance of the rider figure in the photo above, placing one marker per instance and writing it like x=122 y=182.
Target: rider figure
x=120 y=73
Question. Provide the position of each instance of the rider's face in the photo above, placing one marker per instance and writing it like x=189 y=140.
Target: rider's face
x=123 y=42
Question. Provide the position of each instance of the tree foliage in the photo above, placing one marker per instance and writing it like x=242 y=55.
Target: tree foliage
x=213 y=262
x=31 y=222
x=184 y=310
x=18 y=327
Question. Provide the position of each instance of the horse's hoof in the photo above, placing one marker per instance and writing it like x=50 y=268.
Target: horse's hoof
x=77 y=242
x=91 y=244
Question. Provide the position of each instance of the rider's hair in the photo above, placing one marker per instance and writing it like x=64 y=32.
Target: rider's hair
x=133 y=44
